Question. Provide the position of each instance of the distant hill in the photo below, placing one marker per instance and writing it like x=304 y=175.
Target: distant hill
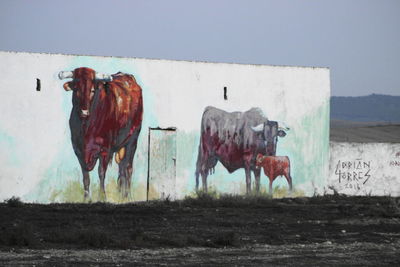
x=371 y=108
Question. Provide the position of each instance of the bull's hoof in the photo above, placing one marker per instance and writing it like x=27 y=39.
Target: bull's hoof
x=120 y=185
x=124 y=198
x=127 y=197
x=86 y=196
x=102 y=197
x=87 y=200
x=125 y=194
x=290 y=192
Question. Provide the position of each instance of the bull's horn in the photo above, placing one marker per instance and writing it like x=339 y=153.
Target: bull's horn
x=258 y=128
x=282 y=126
x=103 y=77
x=65 y=75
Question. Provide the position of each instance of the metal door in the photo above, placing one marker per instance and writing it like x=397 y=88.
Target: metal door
x=161 y=163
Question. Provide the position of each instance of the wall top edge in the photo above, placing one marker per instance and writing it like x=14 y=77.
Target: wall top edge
x=363 y=143
x=171 y=60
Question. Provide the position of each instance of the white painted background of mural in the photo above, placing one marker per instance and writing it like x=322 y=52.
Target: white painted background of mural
x=384 y=171
x=38 y=121
x=35 y=121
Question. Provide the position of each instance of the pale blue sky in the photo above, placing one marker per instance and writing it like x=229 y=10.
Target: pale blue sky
x=359 y=40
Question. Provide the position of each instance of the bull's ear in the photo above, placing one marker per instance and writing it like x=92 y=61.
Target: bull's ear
x=282 y=126
x=67 y=86
x=65 y=75
x=281 y=133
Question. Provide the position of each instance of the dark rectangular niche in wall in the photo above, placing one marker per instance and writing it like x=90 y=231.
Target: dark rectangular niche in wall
x=37 y=84
x=225 y=93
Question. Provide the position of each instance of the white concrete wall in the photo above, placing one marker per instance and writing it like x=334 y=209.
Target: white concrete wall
x=37 y=162
x=365 y=168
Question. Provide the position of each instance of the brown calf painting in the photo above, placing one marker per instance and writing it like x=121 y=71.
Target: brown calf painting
x=275 y=166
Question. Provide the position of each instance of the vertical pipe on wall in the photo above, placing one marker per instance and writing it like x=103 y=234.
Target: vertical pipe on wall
x=148 y=166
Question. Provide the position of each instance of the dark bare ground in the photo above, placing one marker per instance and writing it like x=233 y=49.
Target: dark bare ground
x=232 y=230
x=364 y=132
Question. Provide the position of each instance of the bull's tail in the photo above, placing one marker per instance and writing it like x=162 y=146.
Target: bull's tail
x=198 y=167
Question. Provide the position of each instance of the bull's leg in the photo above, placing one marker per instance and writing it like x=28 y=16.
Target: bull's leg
x=204 y=175
x=124 y=178
x=126 y=169
x=203 y=166
x=86 y=183
x=102 y=176
x=197 y=181
x=129 y=169
x=198 y=167
x=270 y=185
x=121 y=177
x=289 y=180
x=208 y=169
x=248 y=180
x=128 y=179
x=257 y=173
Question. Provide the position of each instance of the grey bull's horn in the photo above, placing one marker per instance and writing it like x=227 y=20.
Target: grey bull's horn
x=65 y=75
x=282 y=126
x=103 y=77
x=258 y=128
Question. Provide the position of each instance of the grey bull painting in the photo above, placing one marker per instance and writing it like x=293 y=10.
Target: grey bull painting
x=235 y=139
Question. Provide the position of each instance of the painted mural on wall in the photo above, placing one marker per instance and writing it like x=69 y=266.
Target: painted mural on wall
x=49 y=144
x=105 y=120
x=234 y=139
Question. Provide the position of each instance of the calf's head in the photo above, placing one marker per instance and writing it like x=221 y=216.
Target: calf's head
x=259 y=160
x=84 y=85
x=269 y=132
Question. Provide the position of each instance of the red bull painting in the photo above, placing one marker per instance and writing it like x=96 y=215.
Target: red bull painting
x=105 y=120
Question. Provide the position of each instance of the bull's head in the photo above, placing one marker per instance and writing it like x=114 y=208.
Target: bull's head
x=269 y=131
x=84 y=85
